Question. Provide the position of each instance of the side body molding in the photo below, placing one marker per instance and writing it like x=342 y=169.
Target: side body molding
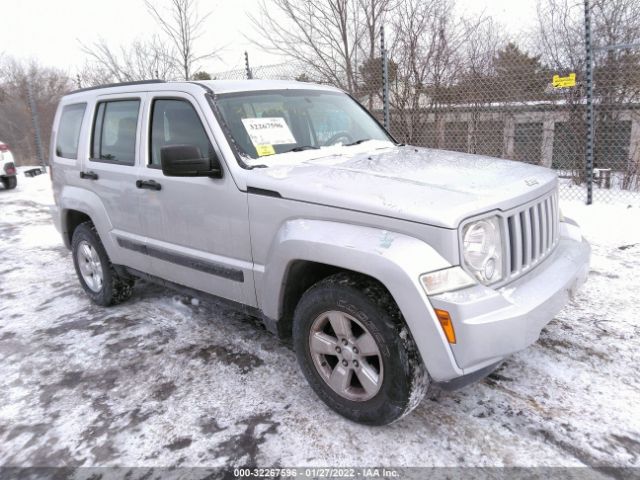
x=394 y=259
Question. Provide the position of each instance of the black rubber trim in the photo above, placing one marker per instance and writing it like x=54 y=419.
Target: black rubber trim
x=263 y=192
x=205 y=266
x=470 y=378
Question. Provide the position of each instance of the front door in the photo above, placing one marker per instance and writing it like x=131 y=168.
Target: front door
x=197 y=228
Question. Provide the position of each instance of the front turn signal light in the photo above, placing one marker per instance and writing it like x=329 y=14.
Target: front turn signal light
x=447 y=325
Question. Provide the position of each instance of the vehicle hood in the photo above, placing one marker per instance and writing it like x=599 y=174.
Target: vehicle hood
x=424 y=185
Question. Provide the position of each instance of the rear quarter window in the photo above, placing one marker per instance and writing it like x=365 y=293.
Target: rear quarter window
x=69 y=130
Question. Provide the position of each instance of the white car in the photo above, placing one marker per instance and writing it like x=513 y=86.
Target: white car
x=7 y=168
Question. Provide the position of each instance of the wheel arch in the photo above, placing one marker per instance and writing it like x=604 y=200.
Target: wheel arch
x=71 y=219
x=299 y=277
x=77 y=205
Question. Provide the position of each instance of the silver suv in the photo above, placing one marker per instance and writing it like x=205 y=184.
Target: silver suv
x=390 y=266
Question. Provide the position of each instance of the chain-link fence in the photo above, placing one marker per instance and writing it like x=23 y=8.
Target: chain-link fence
x=582 y=120
x=616 y=121
x=280 y=71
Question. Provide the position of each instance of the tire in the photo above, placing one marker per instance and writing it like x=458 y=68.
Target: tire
x=10 y=183
x=97 y=276
x=401 y=379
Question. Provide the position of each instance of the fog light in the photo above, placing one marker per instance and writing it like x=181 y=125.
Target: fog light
x=445 y=280
x=446 y=324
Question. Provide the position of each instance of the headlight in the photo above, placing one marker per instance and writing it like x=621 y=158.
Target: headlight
x=482 y=249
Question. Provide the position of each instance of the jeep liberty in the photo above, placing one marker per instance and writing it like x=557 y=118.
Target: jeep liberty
x=388 y=266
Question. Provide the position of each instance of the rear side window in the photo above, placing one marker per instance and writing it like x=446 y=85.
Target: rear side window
x=114 y=132
x=175 y=122
x=69 y=130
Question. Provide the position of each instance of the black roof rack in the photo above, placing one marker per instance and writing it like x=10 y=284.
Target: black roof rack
x=121 y=84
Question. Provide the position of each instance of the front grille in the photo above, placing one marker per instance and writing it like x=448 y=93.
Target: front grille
x=532 y=234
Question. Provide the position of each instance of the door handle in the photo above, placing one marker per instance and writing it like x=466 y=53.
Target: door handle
x=148 y=184
x=89 y=175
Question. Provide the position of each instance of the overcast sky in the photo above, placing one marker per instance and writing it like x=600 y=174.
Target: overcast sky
x=49 y=30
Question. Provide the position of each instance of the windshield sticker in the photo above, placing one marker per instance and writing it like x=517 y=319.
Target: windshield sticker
x=263 y=150
x=268 y=131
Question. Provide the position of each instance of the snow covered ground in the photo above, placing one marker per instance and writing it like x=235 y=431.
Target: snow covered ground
x=167 y=380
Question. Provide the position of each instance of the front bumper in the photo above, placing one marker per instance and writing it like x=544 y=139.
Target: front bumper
x=491 y=324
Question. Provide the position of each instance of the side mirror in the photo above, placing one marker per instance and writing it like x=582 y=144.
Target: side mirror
x=187 y=161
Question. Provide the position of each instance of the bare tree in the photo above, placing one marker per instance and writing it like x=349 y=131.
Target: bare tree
x=428 y=49
x=336 y=40
x=183 y=25
x=142 y=60
x=321 y=35
x=479 y=80
x=16 y=128
x=560 y=35
x=374 y=13
x=560 y=40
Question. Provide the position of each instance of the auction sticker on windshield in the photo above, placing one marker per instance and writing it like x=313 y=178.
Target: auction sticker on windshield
x=268 y=131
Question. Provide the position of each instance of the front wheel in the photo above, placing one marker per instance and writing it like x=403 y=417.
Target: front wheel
x=97 y=276
x=356 y=352
x=9 y=183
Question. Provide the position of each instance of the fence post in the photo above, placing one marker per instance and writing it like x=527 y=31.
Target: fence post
x=36 y=124
x=385 y=80
x=246 y=66
x=590 y=119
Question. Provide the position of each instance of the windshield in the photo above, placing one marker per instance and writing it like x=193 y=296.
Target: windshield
x=271 y=122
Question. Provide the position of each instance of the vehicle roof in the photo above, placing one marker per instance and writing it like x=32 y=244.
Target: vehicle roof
x=228 y=86
x=217 y=86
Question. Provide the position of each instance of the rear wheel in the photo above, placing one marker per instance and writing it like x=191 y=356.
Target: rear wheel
x=356 y=352
x=97 y=276
x=9 y=182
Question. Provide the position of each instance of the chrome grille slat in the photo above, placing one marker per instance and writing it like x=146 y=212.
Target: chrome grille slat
x=547 y=206
x=552 y=219
x=507 y=246
x=526 y=236
x=516 y=245
x=554 y=223
x=545 y=226
x=532 y=232
x=535 y=222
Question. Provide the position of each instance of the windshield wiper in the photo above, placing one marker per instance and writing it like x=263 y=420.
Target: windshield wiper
x=301 y=148
x=357 y=142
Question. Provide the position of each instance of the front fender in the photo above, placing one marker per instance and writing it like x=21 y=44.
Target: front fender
x=396 y=260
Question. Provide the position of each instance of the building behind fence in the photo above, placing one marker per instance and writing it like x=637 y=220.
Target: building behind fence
x=531 y=115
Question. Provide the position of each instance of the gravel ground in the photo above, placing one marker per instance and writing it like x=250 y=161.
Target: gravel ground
x=166 y=380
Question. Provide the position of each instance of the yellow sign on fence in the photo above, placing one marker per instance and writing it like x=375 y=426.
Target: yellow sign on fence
x=564 y=82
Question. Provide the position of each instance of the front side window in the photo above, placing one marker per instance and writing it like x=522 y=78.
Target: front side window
x=69 y=130
x=114 y=132
x=175 y=122
x=280 y=121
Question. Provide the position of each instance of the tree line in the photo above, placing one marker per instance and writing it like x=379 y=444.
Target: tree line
x=437 y=56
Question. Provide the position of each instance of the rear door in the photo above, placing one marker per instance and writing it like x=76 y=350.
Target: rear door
x=197 y=228
x=112 y=169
